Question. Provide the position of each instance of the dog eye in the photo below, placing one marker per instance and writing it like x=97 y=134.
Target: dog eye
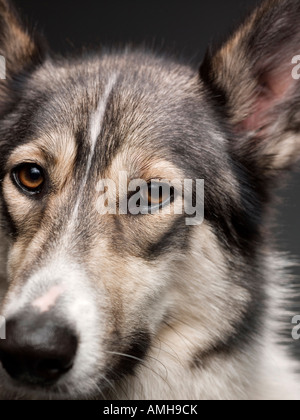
x=29 y=177
x=157 y=195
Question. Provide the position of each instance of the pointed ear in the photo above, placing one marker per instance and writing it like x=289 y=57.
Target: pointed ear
x=253 y=75
x=20 y=51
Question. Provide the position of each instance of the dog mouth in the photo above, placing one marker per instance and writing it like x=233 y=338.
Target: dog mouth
x=27 y=388
x=66 y=388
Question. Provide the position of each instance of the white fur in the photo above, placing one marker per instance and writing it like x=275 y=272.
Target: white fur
x=95 y=130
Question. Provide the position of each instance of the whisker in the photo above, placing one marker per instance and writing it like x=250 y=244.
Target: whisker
x=185 y=340
x=125 y=355
x=144 y=365
x=111 y=385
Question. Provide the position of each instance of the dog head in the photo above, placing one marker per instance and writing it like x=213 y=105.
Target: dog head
x=88 y=292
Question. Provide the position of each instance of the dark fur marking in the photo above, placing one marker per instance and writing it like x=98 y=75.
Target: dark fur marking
x=21 y=130
x=247 y=331
x=6 y=222
x=136 y=351
x=175 y=238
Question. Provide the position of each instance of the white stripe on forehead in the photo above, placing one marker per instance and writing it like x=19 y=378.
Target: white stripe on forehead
x=96 y=122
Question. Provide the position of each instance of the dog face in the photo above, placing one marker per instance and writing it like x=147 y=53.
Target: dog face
x=88 y=292
x=111 y=279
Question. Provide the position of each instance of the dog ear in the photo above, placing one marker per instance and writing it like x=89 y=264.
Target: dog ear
x=254 y=75
x=20 y=50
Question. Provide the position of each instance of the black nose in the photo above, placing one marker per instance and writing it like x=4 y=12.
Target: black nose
x=37 y=349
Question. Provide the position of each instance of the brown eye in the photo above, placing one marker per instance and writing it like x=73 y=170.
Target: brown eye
x=157 y=195
x=29 y=177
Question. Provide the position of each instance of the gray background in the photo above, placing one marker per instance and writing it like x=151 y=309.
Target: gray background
x=185 y=26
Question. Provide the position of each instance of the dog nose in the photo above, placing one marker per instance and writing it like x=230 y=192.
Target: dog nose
x=37 y=349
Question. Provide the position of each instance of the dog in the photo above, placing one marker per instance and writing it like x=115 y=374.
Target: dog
x=147 y=306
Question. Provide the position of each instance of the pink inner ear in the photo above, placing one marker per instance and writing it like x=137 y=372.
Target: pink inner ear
x=275 y=88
